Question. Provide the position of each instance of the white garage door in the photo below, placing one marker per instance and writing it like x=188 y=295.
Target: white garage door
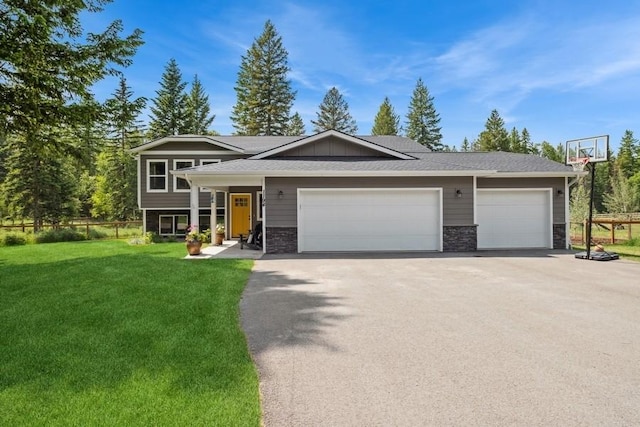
x=369 y=220
x=514 y=219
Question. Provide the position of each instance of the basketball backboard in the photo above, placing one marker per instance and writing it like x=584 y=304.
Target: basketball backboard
x=588 y=150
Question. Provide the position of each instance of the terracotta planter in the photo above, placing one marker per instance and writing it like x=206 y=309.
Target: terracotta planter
x=194 y=248
x=219 y=238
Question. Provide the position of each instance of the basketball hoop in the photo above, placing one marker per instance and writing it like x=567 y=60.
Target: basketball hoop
x=580 y=163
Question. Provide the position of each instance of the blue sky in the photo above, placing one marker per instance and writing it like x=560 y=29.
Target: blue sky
x=563 y=69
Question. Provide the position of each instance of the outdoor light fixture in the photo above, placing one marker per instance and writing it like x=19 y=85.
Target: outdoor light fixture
x=280 y=195
x=559 y=192
x=458 y=193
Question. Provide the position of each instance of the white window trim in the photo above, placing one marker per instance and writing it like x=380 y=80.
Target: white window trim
x=173 y=224
x=208 y=161
x=166 y=176
x=259 y=203
x=175 y=178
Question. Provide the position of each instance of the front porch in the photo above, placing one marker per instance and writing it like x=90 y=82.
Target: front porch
x=228 y=249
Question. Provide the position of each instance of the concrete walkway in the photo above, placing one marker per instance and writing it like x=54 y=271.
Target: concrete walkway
x=485 y=339
x=228 y=249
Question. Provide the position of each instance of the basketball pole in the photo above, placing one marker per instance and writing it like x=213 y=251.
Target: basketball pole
x=593 y=186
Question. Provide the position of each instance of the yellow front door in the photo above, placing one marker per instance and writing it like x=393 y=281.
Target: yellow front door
x=240 y=214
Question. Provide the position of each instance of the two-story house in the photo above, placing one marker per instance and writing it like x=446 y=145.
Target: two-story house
x=336 y=192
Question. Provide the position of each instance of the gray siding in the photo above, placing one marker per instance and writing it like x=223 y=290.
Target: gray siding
x=172 y=199
x=283 y=212
x=332 y=147
x=554 y=183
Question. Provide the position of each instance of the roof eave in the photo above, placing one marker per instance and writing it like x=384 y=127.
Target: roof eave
x=208 y=139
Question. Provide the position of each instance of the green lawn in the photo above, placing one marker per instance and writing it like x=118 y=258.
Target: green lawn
x=102 y=333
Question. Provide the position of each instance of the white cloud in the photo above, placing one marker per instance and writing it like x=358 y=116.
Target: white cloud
x=504 y=63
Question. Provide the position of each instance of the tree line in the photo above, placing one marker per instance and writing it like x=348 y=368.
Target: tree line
x=63 y=154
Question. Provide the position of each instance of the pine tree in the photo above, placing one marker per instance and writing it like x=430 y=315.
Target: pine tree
x=628 y=158
x=48 y=192
x=334 y=114
x=465 y=145
x=526 y=144
x=114 y=195
x=198 y=109
x=264 y=94
x=423 y=120
x=495 y=137
x=122 y=116
x=386 y=122
x=296 y=125
x=515 y=141
x=169 y=109
x=49 y=65
x=552 y=153
x=49 y=62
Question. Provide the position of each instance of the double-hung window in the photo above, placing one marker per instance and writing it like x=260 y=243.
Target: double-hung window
x=157 y=175
x=179 y=184
x=204 y=162
x=173 y=225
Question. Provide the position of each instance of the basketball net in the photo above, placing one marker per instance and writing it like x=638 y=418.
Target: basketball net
x=580 y=164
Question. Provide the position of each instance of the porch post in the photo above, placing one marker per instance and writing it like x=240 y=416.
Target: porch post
x=195 y=207
x=214 y=210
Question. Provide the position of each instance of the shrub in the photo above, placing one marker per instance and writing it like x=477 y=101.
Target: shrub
x=13 y=239
x=97 y=234
x=59 y=235
x=634 y=242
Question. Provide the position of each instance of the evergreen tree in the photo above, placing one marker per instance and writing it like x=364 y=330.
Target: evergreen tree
x=628 y=158
x=264 y=94
x=526 y=144
x=122 y=116
x=334 y=114
x=515 y=142
x=422 y=119
x=386 y=122
x=495 y=137
x=48 y=67
x=296 y=125
x=198 y=110
x=552 y=153
x=48 y=192
x=114 y=195
x=49 y=62
x=169 y=109
x=465 y=145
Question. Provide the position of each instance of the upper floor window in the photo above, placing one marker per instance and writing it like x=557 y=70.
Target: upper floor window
x=157 y=175
x=207 y=162
x=180 y=184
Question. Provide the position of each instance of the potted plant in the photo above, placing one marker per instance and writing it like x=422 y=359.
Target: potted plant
x=219 y=234
x=194 y=239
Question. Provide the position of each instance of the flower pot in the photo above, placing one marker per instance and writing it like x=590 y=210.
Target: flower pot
x=194 y=248
x=219 y=238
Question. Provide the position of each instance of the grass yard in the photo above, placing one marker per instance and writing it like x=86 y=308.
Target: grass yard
x=103 y=333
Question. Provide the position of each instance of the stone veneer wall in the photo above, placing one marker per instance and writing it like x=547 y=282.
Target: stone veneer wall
x=282 y=240
x=460 y=238
x=559 y=236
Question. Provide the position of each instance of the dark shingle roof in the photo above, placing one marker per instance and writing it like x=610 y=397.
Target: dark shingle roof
x=428 y=162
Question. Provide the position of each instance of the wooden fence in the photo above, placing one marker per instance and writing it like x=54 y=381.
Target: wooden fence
x=607 y=228
x=84 y=224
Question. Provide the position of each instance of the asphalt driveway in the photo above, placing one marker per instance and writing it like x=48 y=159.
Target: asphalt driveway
x=526 y=339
